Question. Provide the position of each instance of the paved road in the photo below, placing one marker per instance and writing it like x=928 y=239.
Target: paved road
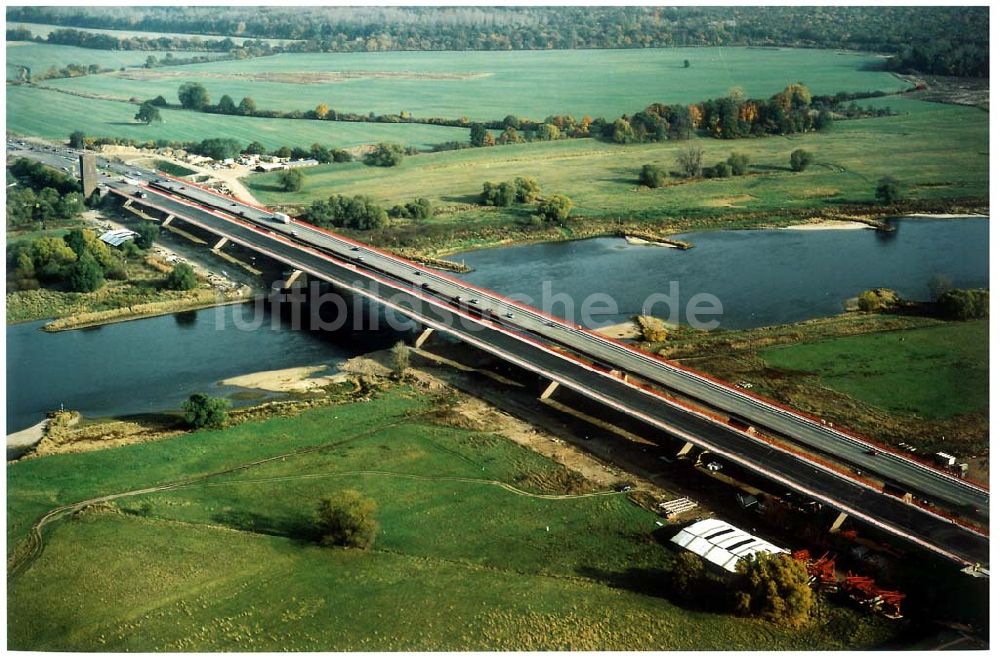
x=523 y=336
x=917 y=477
x=502 y=337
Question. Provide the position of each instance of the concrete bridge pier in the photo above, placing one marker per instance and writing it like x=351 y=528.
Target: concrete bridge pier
x=549 y=391
x=685 y=450
x=841 y=517
x=291 y=279
x=218 y=246
x=169 y=219
x=424 y=336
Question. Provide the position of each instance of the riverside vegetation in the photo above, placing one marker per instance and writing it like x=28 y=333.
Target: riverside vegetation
x=943 y=173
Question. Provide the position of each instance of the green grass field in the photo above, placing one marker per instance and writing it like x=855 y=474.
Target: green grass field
x=65 y=114
x=461 y=562
x=934 y=372
x=173 y=168
x=491 y=85
x=938 y=152
x=39 y=57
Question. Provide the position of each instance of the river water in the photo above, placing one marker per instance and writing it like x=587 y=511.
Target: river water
x=759 y=277
x=154 y=364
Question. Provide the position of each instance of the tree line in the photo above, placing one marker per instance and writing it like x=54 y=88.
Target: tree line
x=103 y=41
x=78 y=261
x=944 y=40
x=792 y=110
x=222 y=148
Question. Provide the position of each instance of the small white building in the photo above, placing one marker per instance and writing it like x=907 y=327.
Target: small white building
x=720 y=543
x=116 y=237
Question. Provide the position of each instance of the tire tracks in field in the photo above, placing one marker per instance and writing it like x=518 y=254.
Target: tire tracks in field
x=416 y=477
x=31 y=548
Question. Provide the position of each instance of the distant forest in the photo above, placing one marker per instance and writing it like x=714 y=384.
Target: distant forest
x=938 y=40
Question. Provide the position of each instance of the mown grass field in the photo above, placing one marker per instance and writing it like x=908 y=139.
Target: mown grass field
x=95 y=117
x=934 y=372
x=39 y=57
x=460 y=562
x=491 y=85
x=938 y=152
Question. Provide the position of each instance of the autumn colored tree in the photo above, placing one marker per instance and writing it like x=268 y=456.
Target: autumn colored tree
x=554 y=209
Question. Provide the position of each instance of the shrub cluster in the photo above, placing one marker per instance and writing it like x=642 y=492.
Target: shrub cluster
x=521 y=190
x=965 y=304
x=358 y=212
x=417 y=209
x=385 y=154
x=78 y=261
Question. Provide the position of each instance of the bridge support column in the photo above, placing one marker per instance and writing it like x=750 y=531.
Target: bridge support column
x=424 y=336
x=128 y=203
x=218 y=246
x=290 y=280
x=841 y=517
x=549 y=390
x=685 y=449
x=168 y=220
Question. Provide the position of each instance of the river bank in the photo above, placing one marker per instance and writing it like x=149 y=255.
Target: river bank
x=202 y=300
x=22 y=441
x=665 y=230
x=924 y=380
x=141 y=294
x=727 y=265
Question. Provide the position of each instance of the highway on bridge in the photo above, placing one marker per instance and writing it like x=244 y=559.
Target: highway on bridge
x=347 y=264
x=917 y=477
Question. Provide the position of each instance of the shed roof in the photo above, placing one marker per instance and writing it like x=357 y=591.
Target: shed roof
x=722 y=544
x=116 y=237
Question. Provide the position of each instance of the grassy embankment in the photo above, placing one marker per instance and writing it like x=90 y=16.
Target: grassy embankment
x=468 y=556
x=935 y=150
x=893 y=378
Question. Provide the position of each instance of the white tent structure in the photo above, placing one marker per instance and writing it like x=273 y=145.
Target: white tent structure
x=722 y=544
x=116 y=237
